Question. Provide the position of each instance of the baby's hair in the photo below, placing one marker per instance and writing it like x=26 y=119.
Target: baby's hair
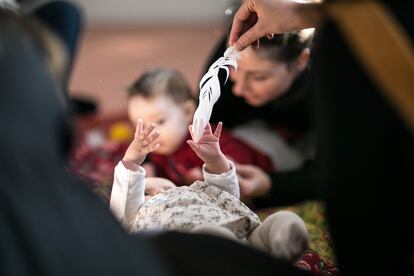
x=284 y=47
x=161 y=81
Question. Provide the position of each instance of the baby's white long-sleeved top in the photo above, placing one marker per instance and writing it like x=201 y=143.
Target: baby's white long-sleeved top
x=212 y=202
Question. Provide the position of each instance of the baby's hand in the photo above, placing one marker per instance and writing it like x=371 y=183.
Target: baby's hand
x=156 y=185
x=143 y=143
x=208 y=149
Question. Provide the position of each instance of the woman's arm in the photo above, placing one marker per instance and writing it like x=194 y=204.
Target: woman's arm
x=292 y=187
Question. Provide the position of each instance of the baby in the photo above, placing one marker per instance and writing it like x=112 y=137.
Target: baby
x=211 y=206
x=163 y=96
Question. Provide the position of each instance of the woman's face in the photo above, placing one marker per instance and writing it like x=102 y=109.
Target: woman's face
x=260 y=81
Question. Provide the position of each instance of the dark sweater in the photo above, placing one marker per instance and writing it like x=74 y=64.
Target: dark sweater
x=366 y=157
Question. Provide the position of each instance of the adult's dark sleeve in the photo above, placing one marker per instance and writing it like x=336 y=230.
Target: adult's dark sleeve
x=50 y=224
x=293 y=187
x=367 y=159
x=191 y=254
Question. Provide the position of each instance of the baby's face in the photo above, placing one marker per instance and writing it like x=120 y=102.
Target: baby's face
x=170 y=117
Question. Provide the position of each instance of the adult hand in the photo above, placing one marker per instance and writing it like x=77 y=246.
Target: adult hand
x=253 y=181
x=258 y=18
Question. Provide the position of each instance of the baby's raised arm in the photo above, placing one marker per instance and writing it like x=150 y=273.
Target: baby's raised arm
x=218 y=170
x=129 y=187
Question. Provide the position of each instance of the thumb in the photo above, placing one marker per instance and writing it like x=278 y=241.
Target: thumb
x=193 y=145
x=248 y=37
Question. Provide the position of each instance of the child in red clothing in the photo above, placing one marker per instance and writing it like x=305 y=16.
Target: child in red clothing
x=162 y=96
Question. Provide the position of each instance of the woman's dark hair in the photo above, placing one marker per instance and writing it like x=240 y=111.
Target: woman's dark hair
x=283 y=47
x=49 y=45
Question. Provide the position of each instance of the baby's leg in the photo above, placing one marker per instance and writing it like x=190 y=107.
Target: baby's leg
x=283 y=234
x=214 y=230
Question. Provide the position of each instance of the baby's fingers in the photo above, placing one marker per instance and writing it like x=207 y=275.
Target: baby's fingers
x=150 y=140
x=207 y=129
x=193 y=145
x=198 y=129
x=153 y=147
x=139 y=128
x=153 y=137
x=190 y=129
x=147 y=131
x=219 y=127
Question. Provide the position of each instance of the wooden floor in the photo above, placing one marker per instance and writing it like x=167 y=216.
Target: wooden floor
x=109 y=59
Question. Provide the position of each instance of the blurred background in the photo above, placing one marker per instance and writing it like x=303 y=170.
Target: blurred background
x=124 y=37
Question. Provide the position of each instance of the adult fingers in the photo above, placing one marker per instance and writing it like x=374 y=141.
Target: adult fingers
x=240 y=19
x=249 y=37
x=249 y=24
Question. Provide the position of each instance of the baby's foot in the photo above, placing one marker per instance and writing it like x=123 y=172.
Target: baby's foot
x=283 y=234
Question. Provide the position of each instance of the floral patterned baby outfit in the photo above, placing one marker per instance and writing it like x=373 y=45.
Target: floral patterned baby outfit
x=212 y=202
